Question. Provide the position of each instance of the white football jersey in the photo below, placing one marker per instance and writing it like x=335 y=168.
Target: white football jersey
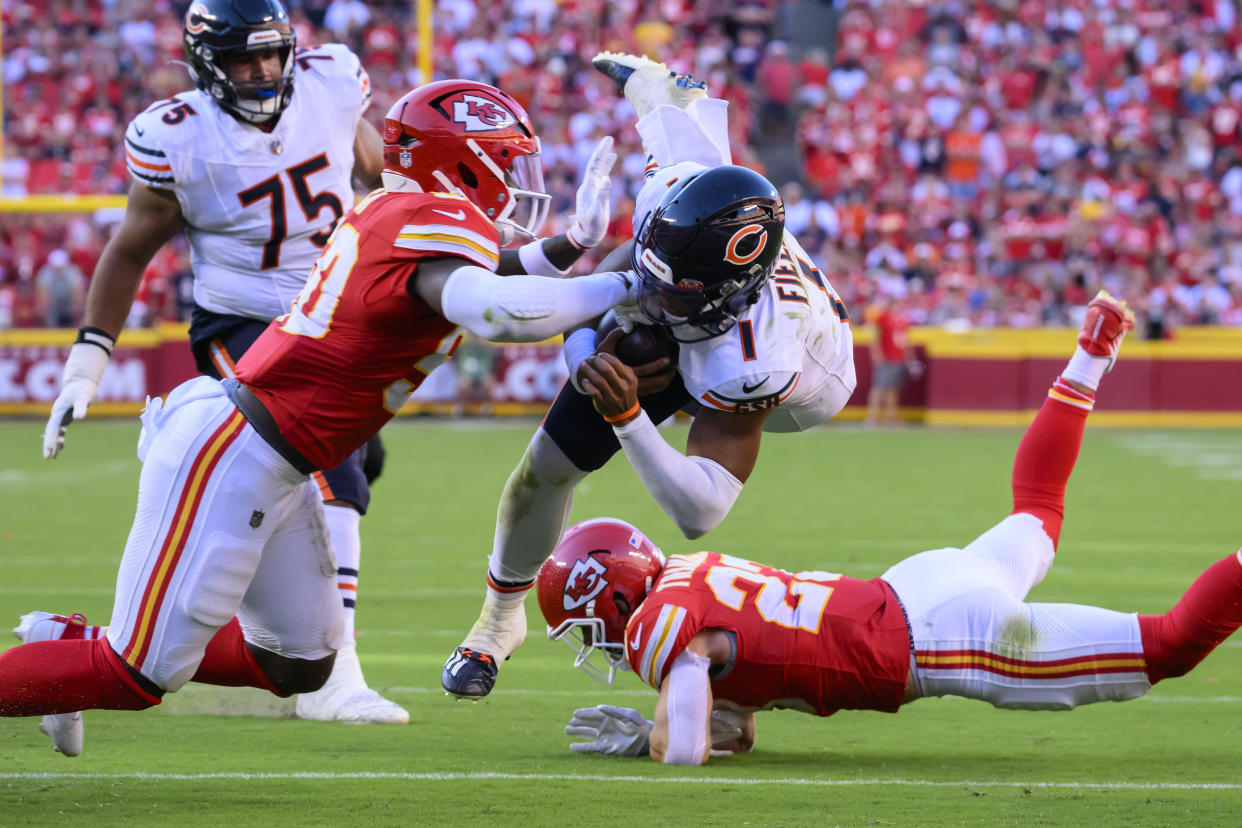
x=792 y=351
x=259 y=206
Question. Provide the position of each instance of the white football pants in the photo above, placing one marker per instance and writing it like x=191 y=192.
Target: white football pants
x=224 y=526
x=974 y=636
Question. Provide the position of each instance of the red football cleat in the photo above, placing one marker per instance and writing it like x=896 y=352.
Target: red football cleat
x=1105 y=326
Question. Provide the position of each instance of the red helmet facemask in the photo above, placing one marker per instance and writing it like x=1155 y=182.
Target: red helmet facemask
x=470 y=138
x=598 y=576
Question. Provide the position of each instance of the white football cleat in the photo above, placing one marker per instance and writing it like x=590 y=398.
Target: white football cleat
x=647 y=83
x=64 y=729
x=347 y=698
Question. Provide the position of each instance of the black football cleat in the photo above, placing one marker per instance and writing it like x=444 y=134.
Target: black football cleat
x=468 y=674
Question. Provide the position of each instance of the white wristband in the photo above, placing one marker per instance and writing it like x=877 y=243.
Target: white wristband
x=695 y=492
x=578 y=346
x=536 y=262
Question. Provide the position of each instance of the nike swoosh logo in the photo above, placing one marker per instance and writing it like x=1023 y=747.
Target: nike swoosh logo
x=746 y=389
x=638 y=637
x=458 y=216
x=139 y=130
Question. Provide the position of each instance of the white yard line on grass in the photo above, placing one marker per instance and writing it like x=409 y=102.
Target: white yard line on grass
x=579 y=778
x=1206 y=454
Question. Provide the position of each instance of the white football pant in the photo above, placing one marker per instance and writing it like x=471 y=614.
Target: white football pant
x=224 y=526
x=974 y=636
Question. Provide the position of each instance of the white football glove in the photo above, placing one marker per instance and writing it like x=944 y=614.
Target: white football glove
x=613 y=731
x=78 y=385
x=591 y=222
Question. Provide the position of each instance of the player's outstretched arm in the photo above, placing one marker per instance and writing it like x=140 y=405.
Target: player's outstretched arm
x=151 y=219
x=517 y=308
x=556 y=255
x=696 y=489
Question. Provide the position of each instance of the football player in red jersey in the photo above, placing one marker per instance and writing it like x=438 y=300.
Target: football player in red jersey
x=721 y=637
x=227 y=577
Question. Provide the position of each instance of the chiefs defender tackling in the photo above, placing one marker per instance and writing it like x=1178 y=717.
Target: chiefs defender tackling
x=227 y=577
x=721 y=637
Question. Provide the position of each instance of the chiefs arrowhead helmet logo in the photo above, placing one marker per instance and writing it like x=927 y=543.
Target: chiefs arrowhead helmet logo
x=586 y=580
x=479 y=114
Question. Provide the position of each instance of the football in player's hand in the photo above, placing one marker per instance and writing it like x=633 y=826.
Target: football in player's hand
x=646 y=343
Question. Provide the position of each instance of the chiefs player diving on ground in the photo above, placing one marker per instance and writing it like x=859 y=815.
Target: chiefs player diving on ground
x=721 y=637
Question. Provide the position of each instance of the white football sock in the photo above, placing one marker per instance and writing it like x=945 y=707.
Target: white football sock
x=1086 y=369
x=346 y=540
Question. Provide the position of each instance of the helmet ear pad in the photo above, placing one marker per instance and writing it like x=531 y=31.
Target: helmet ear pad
x=707 y=249
x=217 y=28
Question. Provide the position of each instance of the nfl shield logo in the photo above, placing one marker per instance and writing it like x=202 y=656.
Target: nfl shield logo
x=256 y=518
x=405 y=158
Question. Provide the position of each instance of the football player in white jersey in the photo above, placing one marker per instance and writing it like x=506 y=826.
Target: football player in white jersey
x=765 y=345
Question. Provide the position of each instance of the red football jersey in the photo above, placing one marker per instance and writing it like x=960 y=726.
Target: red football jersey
x=356 y=343
x=811 y=641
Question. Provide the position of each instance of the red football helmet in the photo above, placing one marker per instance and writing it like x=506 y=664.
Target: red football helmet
x=469 y=138
x=596 y=579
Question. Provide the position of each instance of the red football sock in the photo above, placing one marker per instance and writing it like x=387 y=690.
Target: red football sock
x=229 y=662
x=1047 y=454
x=46 y=677
x=1206 y=615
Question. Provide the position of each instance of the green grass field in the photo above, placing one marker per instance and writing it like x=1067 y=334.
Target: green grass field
x=1147 y=512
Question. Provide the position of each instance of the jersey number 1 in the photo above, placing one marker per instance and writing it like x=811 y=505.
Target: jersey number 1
x=312 y=205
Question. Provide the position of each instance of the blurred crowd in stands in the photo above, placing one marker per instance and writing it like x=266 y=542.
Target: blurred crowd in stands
x=976 y=163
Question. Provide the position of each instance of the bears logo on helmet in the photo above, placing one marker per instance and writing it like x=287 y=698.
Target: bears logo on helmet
x=707 y=249
x=731 y=249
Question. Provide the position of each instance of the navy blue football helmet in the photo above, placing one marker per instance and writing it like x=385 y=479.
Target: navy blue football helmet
x=707 y=249
x=216 y=28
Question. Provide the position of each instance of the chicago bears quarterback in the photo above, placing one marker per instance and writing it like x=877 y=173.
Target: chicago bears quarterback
x=765 y=346
x=228 y=577
x=721 y=637
x=255 y=166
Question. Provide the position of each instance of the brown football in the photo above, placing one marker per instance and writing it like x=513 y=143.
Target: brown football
x=646 y=343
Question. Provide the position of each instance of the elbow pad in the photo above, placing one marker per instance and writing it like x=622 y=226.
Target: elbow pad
x=689 y=710
x=695 y=492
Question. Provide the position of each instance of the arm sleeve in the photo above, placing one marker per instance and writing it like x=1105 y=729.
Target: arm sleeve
x=688 y=710
x=694 y=491
x=527 y=308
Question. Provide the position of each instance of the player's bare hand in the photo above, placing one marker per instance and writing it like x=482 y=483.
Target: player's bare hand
x=732 y=732
x=655 y=375
x=611 y=384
